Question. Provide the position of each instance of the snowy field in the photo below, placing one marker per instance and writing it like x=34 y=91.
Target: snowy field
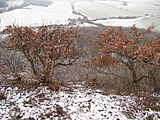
x=15 y=3
x=116 y=8
x=141 y=22
x=60 y=11
x=147 y=12
x=78 y=104
x=57 y=13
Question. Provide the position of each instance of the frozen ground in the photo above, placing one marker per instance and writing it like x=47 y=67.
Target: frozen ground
x=60 y=11
x=76 y=104
x=114 y=8
x=15 y=3
x=146 y=11
x=141 y=22
x=57 y=13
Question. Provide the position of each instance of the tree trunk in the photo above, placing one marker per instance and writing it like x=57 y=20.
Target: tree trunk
x=130 y=66
x=31 y=62
x=134 y=75
x=33 y=68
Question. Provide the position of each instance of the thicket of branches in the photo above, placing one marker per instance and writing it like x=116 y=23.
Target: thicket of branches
x=130 y=50
x=46 y=48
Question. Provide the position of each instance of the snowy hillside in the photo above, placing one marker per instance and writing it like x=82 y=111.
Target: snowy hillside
x=15 y=3
x=57 y=13
x=77 y=104
x=141 y=22
x=146 y=13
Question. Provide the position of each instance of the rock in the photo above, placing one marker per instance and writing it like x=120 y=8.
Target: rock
x=30 y=118
x=2 y=96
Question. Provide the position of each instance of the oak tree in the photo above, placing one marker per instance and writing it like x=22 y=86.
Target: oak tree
x=118 y=48
x=45 y=48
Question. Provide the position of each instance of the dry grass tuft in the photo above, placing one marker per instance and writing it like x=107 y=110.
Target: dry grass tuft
x=55 y=85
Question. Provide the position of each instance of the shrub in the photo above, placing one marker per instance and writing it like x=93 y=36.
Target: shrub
x=44 y=48
x=130 y=52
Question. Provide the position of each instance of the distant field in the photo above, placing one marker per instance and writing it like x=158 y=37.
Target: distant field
x=139 y=12
x=147 y=12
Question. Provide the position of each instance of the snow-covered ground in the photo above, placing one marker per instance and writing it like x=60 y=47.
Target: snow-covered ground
x=15 y=3
x=141 y=22
x=79 y=104
x=147 y=12
x=61 y=10
x=56 y=13
x=113 y=8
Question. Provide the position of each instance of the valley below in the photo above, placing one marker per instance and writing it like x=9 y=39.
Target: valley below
x=84 y=13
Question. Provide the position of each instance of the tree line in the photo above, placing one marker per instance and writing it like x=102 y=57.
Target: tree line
x=46 y=48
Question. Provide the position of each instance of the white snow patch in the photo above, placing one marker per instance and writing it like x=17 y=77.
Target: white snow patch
x=141 y=22
x=57 y=13
x=81 y=104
